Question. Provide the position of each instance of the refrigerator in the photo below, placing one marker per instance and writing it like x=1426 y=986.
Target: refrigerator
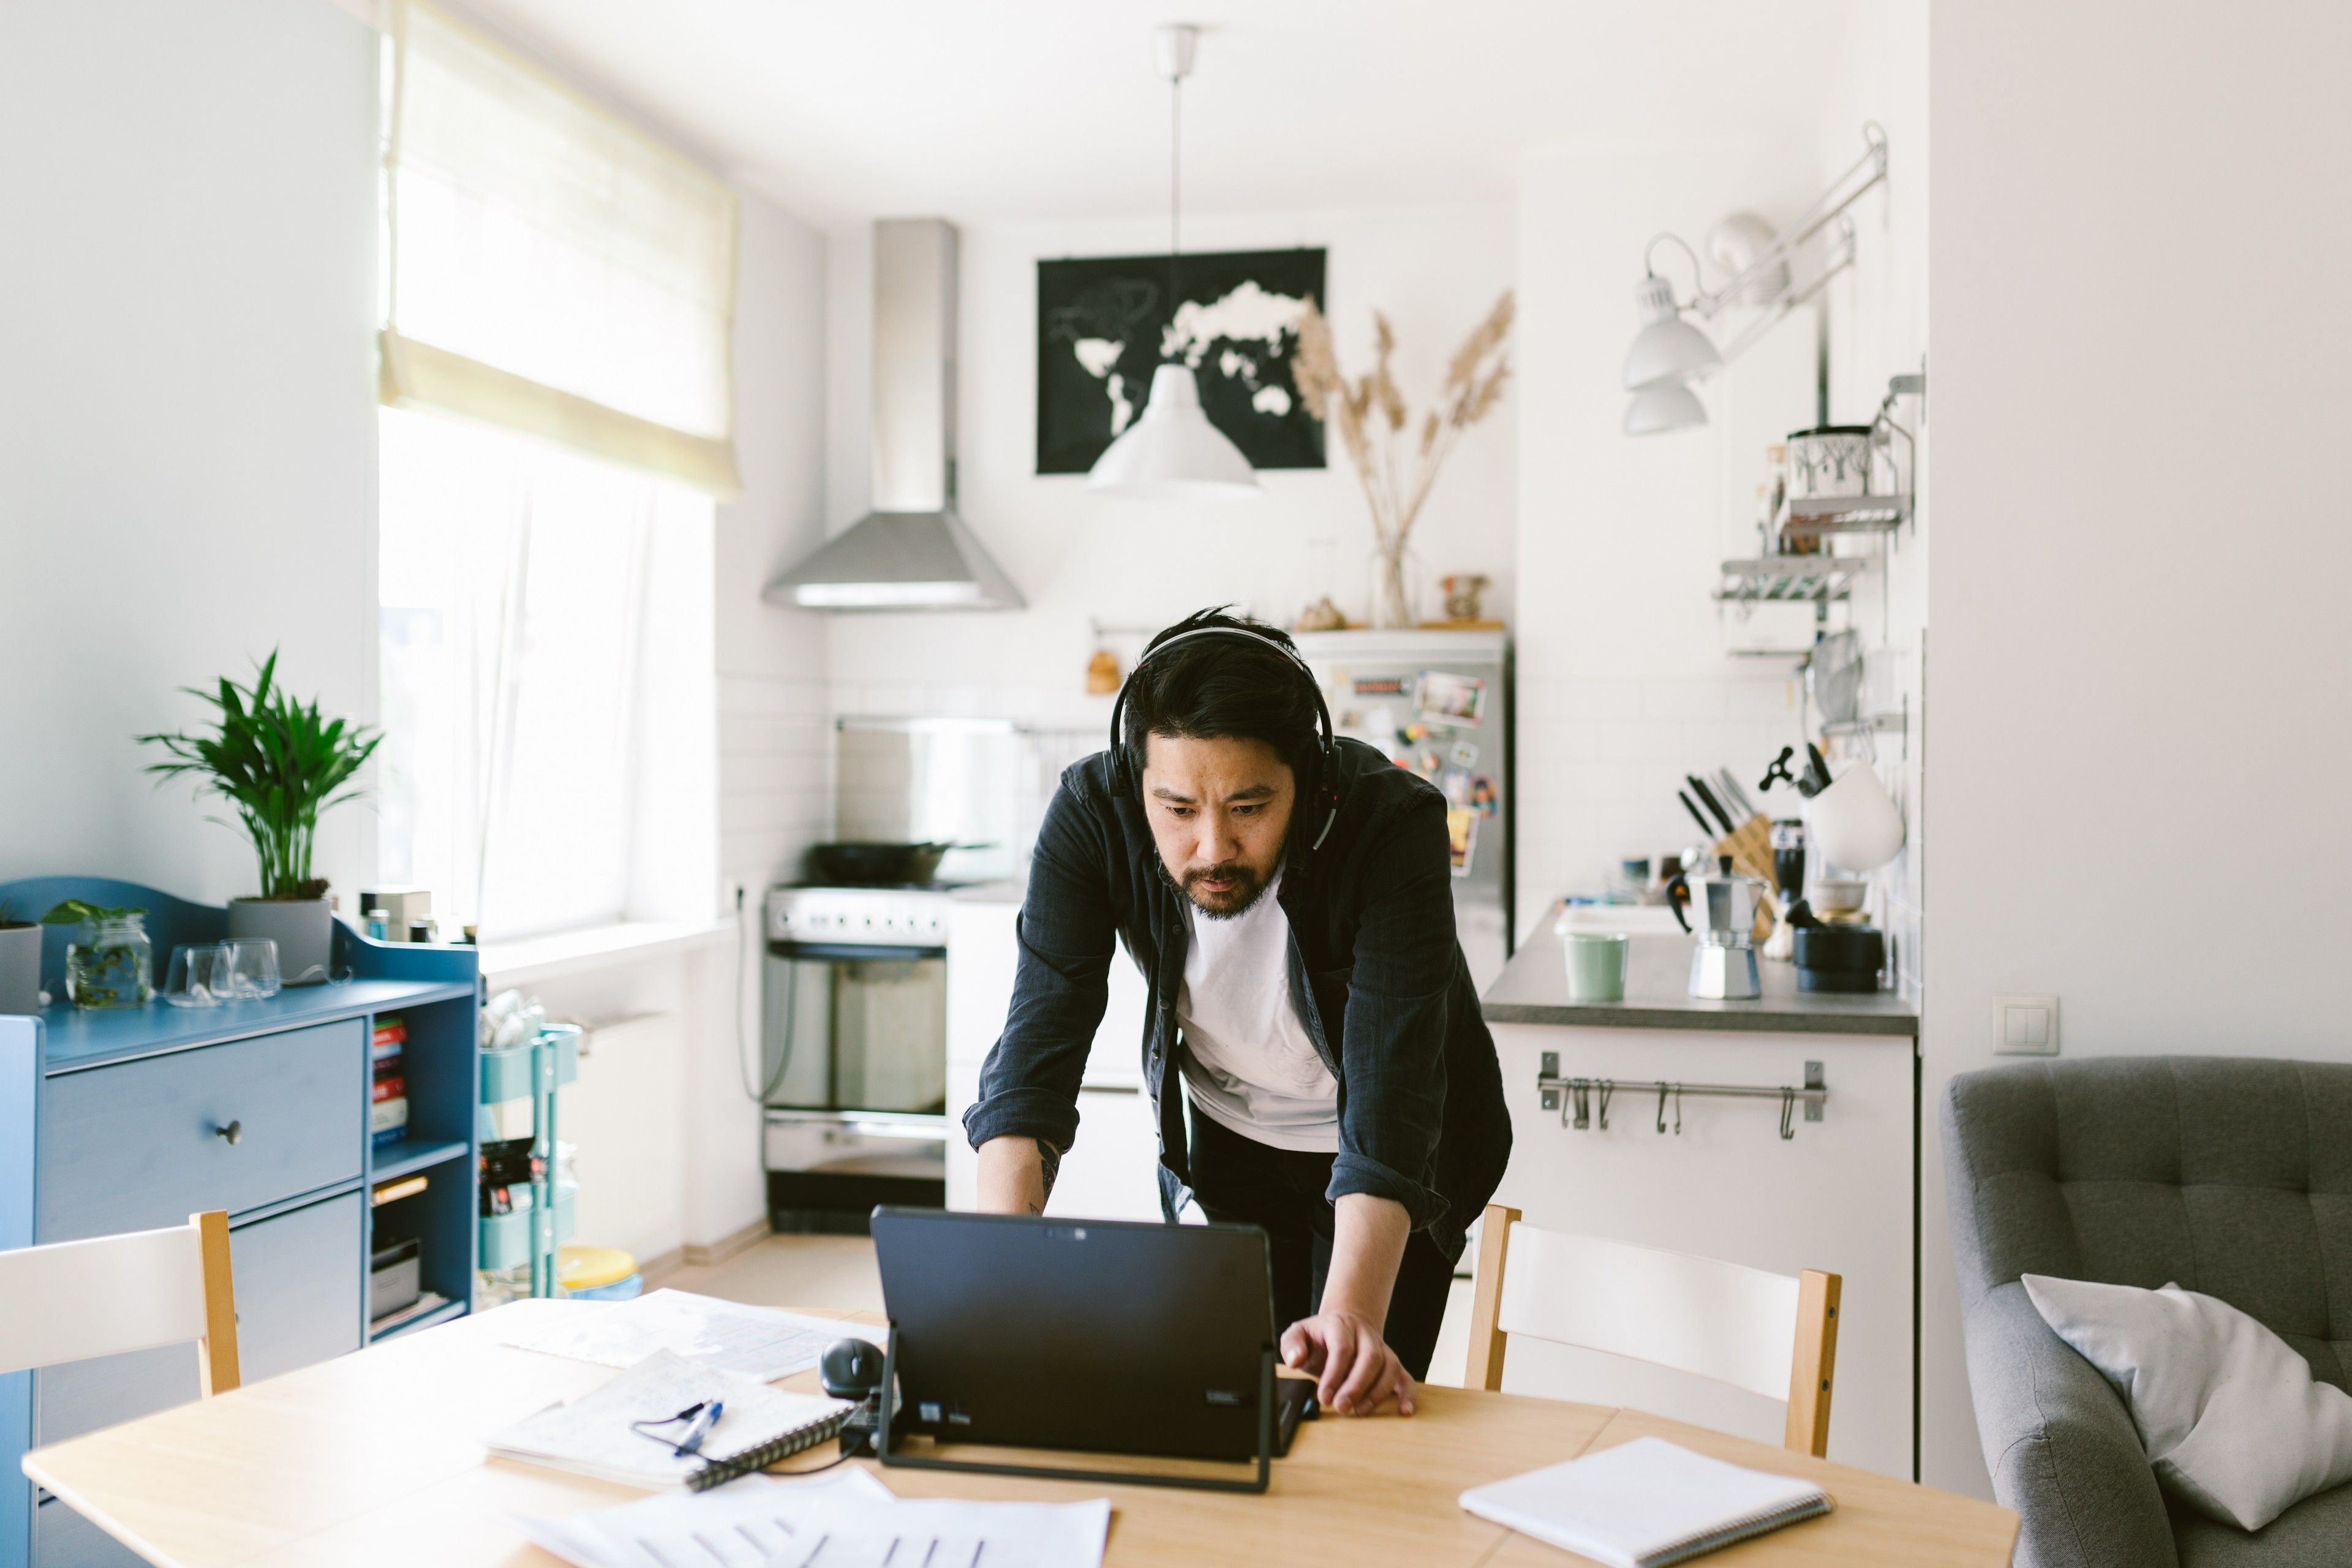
x=1439 y=702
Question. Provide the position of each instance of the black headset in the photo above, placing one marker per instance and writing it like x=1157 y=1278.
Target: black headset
x=1327 y=749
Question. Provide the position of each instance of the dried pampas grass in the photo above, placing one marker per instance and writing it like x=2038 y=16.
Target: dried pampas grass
x=1370 y=414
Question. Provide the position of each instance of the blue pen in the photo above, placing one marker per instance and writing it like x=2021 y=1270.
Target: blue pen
x=699 y=1428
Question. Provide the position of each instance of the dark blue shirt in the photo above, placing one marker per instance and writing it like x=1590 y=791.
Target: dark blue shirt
x=1376 y=972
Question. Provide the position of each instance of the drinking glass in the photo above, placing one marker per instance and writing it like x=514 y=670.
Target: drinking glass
x=200 y=975
x=253 y=967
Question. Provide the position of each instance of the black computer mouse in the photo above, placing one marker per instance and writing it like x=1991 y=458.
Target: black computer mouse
x=850 y=1369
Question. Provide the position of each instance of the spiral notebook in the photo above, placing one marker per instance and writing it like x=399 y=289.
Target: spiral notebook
x=593 y=1434
x=1647 y=1504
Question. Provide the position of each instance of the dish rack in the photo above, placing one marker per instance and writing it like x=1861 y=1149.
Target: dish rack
x=532 y=1232
x=1812 y=517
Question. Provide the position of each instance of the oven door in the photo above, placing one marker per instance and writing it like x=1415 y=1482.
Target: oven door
x=855 y=1030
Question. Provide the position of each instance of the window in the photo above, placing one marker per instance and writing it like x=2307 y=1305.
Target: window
x=555 y=435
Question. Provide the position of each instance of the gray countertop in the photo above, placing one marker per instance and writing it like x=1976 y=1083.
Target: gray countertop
x=1533 y=989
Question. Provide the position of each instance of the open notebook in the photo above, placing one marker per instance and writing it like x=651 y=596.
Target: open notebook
x=1646 y=1503
x=593 y=1436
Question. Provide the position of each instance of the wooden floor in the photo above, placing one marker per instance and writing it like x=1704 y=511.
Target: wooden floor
x=837 y=1271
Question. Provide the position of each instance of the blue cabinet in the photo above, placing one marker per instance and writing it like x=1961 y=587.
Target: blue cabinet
x=136 y=1118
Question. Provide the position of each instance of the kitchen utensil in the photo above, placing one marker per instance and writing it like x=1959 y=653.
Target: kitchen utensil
x=1828 y=461
x=1778 y=772
x=1789 y=855
x=1839 y=958
x=876 y=863
x=1596 y=964
x=1852 y=823
x=1707 y=798
x=1833 y=896
x=1817 y=772
x=1704 y=825
x=1725 y=904
x=1733 y=795
x=1833 y=672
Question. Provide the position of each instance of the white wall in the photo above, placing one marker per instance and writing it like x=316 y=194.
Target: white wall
x=2139 y=401
x=187 y=418
x=773 y=743
x=1624 y=684
x=1076 y=556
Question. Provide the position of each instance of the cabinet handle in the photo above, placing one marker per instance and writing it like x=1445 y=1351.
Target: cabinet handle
x=233 y=1132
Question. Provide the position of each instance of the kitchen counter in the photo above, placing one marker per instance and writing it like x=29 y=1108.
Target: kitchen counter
x=1533 y=989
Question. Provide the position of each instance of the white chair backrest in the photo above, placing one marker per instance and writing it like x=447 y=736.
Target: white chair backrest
x=1723 y=1320
x=100 y=1296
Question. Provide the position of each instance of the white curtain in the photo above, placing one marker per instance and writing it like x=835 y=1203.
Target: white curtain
x=518 y=625
x=549 y=268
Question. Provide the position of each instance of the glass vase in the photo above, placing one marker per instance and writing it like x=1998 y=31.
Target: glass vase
x=1396 y=589
x=110 y=963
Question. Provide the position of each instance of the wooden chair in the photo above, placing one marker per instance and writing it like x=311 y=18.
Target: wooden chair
x=1766 y=1333
x=129 y=1292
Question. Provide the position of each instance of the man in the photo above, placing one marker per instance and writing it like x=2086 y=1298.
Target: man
x=1290 y=904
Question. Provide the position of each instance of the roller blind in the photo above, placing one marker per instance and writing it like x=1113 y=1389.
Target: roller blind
x=552 y=268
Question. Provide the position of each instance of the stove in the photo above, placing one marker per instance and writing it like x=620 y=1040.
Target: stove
x=853 y=1053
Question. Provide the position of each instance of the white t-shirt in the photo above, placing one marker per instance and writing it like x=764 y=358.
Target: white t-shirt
x=1249 y=1064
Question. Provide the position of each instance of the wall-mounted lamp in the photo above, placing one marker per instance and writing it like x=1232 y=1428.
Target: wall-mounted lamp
x=1669 y=352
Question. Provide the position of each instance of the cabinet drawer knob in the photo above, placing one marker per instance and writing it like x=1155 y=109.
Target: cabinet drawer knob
x=233 y=1132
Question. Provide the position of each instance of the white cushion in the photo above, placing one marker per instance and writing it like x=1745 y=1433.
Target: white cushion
x=2230 y=1415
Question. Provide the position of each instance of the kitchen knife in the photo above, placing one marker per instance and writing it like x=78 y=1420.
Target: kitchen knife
x=1702 y=828
x=1707 y=798
x=1734 y=796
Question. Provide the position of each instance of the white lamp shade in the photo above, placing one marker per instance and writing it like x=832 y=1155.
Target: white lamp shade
x=1173 y=452
x=1664 y=405
x=1669 y=349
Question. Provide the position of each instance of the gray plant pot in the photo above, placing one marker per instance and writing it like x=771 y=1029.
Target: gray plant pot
x=20 y=969
x=303 y=930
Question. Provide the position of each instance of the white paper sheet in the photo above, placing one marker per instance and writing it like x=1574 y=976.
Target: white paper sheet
x=758 y=1341
x=843 y=1518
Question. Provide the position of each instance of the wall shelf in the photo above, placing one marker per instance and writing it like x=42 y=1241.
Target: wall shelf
x=1791 y=579
x=393 y=1160
x=1812 y=517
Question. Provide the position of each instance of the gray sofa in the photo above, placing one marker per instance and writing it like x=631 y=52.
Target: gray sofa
x=2229 y=1176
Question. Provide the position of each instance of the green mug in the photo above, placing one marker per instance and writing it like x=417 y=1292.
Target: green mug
x=1596 y=964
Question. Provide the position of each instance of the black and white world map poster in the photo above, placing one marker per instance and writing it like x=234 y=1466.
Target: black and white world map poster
x=1104 y=325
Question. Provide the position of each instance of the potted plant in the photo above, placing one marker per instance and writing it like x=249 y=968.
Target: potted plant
x=111 y=963
x=20 y=962
x=280 y=763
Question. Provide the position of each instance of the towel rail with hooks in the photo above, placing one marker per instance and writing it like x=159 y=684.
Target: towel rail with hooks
x=1577 y=1098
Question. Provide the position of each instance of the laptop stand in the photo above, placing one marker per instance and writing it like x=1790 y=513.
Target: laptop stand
x=890 y=1456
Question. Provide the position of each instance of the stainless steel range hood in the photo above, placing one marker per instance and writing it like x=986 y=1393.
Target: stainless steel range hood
x=912 y=551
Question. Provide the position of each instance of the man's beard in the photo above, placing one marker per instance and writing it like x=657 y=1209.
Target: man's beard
x=1223 y=905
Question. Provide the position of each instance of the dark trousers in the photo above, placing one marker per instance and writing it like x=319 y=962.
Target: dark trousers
x=1240 y=1180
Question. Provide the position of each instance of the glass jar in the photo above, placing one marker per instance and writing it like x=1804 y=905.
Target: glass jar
x=1396 y=589
x=111 y=963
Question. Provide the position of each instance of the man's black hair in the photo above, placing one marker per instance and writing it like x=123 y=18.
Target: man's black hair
x=1226 y=688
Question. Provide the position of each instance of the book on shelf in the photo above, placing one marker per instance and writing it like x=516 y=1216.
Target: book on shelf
x=393 y=1086
x=388 y=1119
x=393 y=1191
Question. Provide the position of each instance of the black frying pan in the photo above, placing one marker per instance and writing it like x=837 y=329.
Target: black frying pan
x=876 y=863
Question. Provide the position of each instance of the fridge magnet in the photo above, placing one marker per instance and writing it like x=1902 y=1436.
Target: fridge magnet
x=1444 y=698
x=1381 y=686
x=1428 y=764
x=1484 y=798
x=1457 y=785
x=1462 y=834
x=1465 y=753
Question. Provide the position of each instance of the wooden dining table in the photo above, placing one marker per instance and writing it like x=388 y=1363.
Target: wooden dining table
x=377 y=1458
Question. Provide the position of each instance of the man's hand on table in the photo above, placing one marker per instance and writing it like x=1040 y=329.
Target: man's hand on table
x=1354 y=1370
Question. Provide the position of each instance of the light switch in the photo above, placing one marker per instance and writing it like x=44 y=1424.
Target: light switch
x=2025 y=1026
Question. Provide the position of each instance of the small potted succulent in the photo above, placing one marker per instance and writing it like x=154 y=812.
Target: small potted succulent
x=20 y=962
x=279 y=763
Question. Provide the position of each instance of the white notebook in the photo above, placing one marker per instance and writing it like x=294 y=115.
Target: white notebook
x=593 y=1434
x=1646 y=1503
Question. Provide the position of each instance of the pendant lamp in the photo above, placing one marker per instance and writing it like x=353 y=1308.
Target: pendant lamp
x=1171 y=452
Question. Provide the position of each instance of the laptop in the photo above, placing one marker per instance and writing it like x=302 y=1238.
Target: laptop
x=1102 y=1335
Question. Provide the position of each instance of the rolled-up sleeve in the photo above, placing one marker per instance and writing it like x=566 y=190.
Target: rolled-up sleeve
x=1029 y=1085
x=1392 y=1097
